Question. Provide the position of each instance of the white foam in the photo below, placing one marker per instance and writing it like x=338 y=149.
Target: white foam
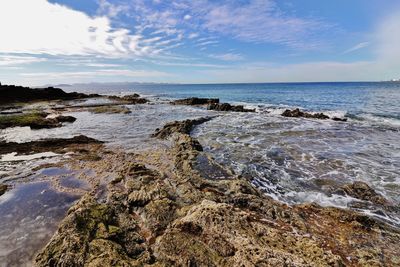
x=13 y=156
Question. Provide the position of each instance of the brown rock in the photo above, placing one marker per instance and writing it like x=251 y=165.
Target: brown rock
x=195 y=101
x=228 y=107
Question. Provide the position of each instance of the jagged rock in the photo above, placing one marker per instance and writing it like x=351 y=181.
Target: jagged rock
x=45 y=145
x=195 y=101
x=182 y=219
x=3 y=188
x=228 y=107
x=339 y=119
x=296 y=113
x=363 y=191
x=130 y=99
x=178 y=127
x=12 y=93
x=34 y=120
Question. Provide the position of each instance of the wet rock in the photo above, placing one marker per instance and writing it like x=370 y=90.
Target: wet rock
x=57 y=145
x=130 y=99
x=296 y=113
x=179 y=127
x=363 y=191
x=34 y=120
x=228 y=107
x=172 y=216
x=12 y=93
x=339 y=119
x=195 y=101
x=3 y=188
x=111 y=110
x=62 y=119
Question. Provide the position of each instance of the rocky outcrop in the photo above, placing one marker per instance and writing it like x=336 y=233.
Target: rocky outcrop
x=130 y=99
x=184 y=127
x=195 y=101
x=57 y=145
x=12 y=93
x=362 y=191
x=34 y=120
x=175 y=217
x=228 y=107
x=297 y=113
x=3 y=188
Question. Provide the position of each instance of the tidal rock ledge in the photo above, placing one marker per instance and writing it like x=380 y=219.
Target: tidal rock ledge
x=175 y=217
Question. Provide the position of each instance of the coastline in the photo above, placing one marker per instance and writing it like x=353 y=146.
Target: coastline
x=161 y=207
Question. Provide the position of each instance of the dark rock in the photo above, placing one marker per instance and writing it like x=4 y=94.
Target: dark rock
x=179 y=127
x=62 y=119
x=228 y=107
x=296 y=113
x=339 y=119
x=35 y=120
x=130 y=99
x=12 y=93
x=3 y=188
x=195 y=101
x=362 y=191
x=45 y=145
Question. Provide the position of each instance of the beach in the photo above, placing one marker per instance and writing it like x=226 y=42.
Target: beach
x=236 y=176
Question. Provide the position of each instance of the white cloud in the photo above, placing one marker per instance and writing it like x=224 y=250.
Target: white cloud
x=10 y=60
x=93 y=74
x=357 y=47
x=37 y=26
x=227 y=56
x=388 y=40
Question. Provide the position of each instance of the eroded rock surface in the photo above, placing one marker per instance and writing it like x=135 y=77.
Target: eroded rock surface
x=228 y=107
x=195 y=101
x=184 y=127
x=12 y=93
x=58 y=145
x=34 y=120
x=130 y=99
x=161 y=211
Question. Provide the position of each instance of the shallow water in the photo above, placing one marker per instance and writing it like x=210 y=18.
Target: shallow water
x=29 y=216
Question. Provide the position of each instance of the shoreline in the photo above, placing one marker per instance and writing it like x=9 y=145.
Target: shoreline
x=164 y=199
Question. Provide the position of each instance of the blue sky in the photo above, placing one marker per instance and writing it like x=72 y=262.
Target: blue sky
x=203 y=41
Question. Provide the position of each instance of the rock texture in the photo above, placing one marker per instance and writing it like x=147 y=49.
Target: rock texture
x=195 y=101
x=163 y=212
x=296 y=113
x=184 y=127
x=34 y=120
x=12 y=93
x=57 y=145
x=228 y=107
x=130 y=99
x=363 y=191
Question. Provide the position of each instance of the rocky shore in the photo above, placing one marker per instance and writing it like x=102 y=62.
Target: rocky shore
x=165 y=206
x=161 y=211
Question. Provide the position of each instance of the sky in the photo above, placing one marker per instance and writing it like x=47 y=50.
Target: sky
x=201 y=41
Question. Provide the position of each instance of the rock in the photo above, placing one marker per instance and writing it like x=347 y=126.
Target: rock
x=130 y=99
x=12 y=93
x=111 y=110
x=35 y=120
x=363 y=191
x=45 y=145
x=3 y=188
x=228 y=107
x=195 y=101
x=179 y=127
x=296 y=113
x=164 y=213
x=339 y=119
x=62 y=119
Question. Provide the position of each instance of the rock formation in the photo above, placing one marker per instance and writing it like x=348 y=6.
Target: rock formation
x=173 y=216
x=228 y=107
